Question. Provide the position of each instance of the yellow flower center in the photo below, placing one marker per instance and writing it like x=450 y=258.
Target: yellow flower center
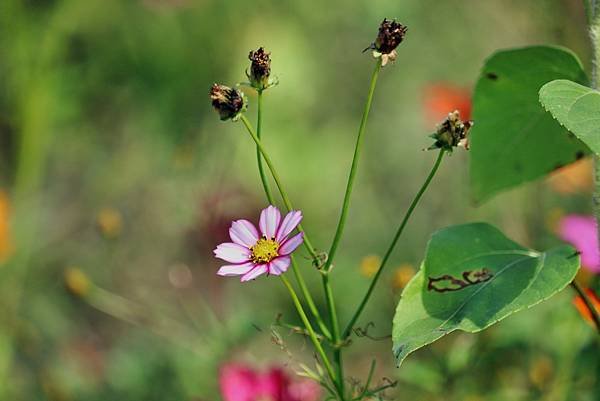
x=265 y=250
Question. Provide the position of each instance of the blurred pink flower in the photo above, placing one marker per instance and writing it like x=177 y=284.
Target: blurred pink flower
x=242 y=383
x=253 y=254
x=582 y=233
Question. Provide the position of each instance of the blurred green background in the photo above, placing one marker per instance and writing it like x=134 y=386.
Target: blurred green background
x=116 y=176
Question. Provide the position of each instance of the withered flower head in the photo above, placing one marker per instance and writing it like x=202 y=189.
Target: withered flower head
x=260 y=68
x=452 y=132
x=228 y=102
x=390 y=35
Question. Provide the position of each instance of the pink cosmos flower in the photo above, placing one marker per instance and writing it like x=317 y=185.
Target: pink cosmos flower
x=242 y=383
x=582 y=233
x=252 y=253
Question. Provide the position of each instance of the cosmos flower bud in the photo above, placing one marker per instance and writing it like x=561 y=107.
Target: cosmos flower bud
x=452 y=132
x=260 y=69
x=228 y=102
x=390 y=35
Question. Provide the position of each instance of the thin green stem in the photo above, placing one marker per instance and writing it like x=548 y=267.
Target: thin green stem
x=588 y=303
x=309 y=299
x=594 y=32
x=311 y=333
x=299 y=278
x=335 y=328
x=261 y=170
x=392 y=245
x=354 y=167
x=324 y=276
x=368 y=382
x=337 y=352
x=284 y=196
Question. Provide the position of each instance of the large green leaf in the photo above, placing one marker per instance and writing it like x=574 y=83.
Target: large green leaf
x=472 y=277
x=514 y=140
x=575 y=106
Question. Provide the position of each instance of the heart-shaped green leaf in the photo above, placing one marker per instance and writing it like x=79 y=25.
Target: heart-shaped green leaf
x=472 y=277
x=576 y=107
x=514 y=140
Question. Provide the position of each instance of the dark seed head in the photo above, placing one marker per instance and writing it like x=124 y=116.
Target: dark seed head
x=452 y=132
x=228 y=102
x=260 y=68
x=391 y=34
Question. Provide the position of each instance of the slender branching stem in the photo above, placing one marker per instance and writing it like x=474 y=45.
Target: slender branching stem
x=312 y=334
x=593 y=11
x=261 y=170
x=299 y=278
x=324 y=276
x=392 y=245
x=342 y=222
x=588 y=304
x=286 y=200
x=354 y=167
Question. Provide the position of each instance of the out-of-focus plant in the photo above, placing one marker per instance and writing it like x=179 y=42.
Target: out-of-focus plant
x=472 y=275
x=243 y=383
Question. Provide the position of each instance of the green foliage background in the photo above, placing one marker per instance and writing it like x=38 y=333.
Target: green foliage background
x=103 y=104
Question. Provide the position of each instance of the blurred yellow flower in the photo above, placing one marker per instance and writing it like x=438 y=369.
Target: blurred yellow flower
x=402 y=275
x=109 y=222
x=77 y=282
x=541 y=371
x=6 y=246
x=576 y=177
x=369 y=265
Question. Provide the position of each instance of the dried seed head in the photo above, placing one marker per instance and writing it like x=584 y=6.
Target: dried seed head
x=260 y=68
x=452 y=132
x=228 y=102
x=390 y=35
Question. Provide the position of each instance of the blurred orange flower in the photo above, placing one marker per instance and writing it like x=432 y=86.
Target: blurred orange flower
x=369 y=265
x=6 y=245
x=583 y=309
x=576 y=177
x=402 y=275
x=443 y=98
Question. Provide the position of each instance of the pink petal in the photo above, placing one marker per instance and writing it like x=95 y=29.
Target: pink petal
x=254 y=273
x=237 y=383
x=232 y=253
x=279 y=265
x=582 y=233
x=290 y=221
x=291 y=244
x=269 y=221
x=244 y=233
x=272 y=385
x=235 y=270
x=304 y=390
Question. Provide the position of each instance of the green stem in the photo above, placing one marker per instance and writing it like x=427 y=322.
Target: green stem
x=309 y=299
x=594 y=31
x=311 y=333
x=269 y=194
x=284 y=196
x=324 y=276
x=335 y=327
x=337 y=353
x=261 y=170
x=357 y=150
x=388 y=253
x=588 y=303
